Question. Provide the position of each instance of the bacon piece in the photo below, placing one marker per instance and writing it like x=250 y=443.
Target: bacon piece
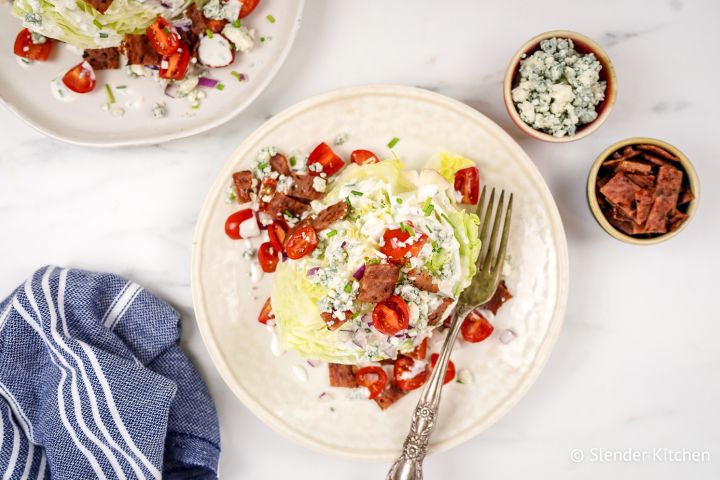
x=342 y=375
x=378 y=282
x=243 y=183
x=654 y=160
x=281 y=204
x=686 y=196
x=279 y=163
x=644 y=202
x=618 y=157
x=658 y=151
x=199 y=24
x=501 y=295
x=302 y=187
x=100 y=5
x=667 y=191
x=332 y=322
x=677 y=218
x=436 y=315
x=620 y=192
x=103 y=58
x=634 y=167
x=620 y=221
x=330 y=215
x=390 y=395
x=139 y=51
x=642 y=181
x=422 y=280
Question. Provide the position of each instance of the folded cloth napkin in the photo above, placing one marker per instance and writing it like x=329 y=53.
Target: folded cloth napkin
x=93 y=384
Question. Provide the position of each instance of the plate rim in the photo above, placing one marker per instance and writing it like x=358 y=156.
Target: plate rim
x=159 y=139
x=548 y=342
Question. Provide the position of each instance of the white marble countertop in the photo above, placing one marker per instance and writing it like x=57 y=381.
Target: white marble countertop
x=637 y=364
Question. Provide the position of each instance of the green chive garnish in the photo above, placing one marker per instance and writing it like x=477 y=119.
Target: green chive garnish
x=262 y=39
x=399 y=200
x=428 y=207
x=103 y=35
x=110 y=96
x=356 y=193
x=331 y=233
x=237 y=23
x=403 y=227
x=393 y=142
x=209 y=33
x=347 y=200
x=270 y=19
x=220 y=86
x=428 y=228
x=195 y=107
x=97 y=24
x=237 y=76
x=120 y=87
x=348 y=287
x=293 y=161
x=288 y=213
x=445 y=217
x=262 y=165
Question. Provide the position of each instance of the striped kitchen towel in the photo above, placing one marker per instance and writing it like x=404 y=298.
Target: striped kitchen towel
x=93 y=384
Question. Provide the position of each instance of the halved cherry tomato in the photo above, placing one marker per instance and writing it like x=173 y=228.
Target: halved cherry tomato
x=232 y=224
x=391 y=316
x=449 y=373
x=476 y=328
x=268 y=257
x=397 y=253
x=363 y=157
x=328 y=159
x=177 y=63
x=372 y=378
x=247 y=7
x=301 y=242
x=467 y=183
x=420 y=351
x=24 y=47
x=163 y=37
x=277 y=231
x=266 y=314
x=80 y=78
x=402 y=371
x=215 y=25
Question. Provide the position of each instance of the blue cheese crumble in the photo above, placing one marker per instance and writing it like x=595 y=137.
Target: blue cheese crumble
x=559 y=88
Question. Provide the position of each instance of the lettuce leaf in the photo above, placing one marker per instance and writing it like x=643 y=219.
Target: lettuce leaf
x=448 y=164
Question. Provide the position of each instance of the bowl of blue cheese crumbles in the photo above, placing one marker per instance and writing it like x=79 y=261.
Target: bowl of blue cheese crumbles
x=560 y=86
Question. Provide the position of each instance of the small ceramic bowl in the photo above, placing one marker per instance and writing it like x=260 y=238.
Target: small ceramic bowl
x=690 y=176
x=583 y=45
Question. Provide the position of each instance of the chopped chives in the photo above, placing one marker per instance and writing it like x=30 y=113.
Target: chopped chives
x=399 y=200
x=403 y=227
x=348 y=287
x=410 y=231
x=110 y=96
x=103 y=35
x=428 y=208
x=288 y=213
x=262 y=165
x=97 y=24
x=237 y=23
x=120 y=87
x=195 y=107
x=393 y=142
x=428 y=228
x=356 y=193
x=209 y=33
x=293 y=161
x=445 y=217
x=262 y=39
x=347 y=200
x=270 y=19
x=331 y=233
x=238 y=76
x=220 y=86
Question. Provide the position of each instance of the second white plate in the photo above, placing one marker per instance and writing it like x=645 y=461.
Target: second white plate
x=426 y=124
x=26 y=90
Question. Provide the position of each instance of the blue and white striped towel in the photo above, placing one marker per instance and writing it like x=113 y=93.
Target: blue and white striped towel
x=93 y=384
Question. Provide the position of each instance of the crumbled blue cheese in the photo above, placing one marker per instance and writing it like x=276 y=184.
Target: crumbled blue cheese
x=228 y=10
x=558 y=88
x=37 y=38
x=159 y=110
x=319 y=184
x=242 y=38
x=195 y=97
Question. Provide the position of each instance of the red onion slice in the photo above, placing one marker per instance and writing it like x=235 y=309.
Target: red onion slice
x=359 y=273
x=208 y=82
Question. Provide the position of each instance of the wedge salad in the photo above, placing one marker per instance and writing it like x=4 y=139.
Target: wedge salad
x=369 y=259
x=174 y=42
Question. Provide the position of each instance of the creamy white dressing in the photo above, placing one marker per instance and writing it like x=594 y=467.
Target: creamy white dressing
x=60 y=91
x=23 y=62
x=130 y=99
x=300 y=373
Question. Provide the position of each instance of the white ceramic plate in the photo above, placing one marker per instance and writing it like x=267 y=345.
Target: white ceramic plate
x=26 y=91
x=426 y=124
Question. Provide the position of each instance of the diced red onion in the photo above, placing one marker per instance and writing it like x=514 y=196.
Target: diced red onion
x=343 y=244
x=312 y=271
x=284 y=256
x=507 y=336
x=182 y=24
x=360 y=272
x=207 y=82
x=359 y=338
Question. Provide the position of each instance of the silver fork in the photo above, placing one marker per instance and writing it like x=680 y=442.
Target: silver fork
x=408 y=465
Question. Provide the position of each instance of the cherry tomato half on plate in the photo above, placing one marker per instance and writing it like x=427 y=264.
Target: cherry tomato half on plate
x=420 y=352
x=395 y=252
x=232 y=224
x=323 y=155
x=449 y=373
x=163 y=37
x=363 y=157
x=176 y=65
x=467 y=183
x=301 y=242
x=247 y=7
x=372 y=378
x=476 y=327
x=277 y=231
x=391 y=316
x=266 y=314
x=24 y=47
x=268 y=257
x=403 y=374
x=80 y=78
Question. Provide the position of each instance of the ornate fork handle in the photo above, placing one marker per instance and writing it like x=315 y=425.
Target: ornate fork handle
x=408 y=465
